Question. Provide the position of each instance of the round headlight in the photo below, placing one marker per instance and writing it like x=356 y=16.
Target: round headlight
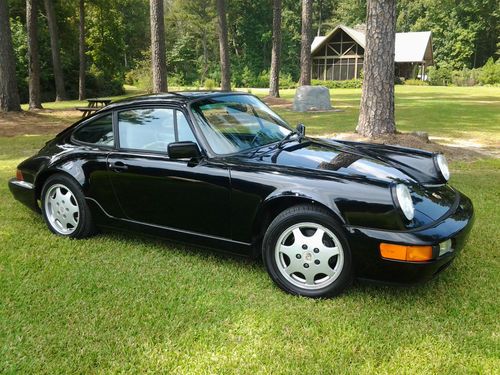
x=442 y=165
x=404 y=201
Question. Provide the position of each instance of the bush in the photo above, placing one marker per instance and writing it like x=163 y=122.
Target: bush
x=415 y=82
x=248 y=79
x=209 y=84
x=141 y=76
x=176 y=80
x=465 y=77
x=439 y=76
x=287 y=82
x=262 y=80
x=490 y=73
x=348 y=84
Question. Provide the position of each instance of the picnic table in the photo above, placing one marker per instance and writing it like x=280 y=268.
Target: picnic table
x=94 y=104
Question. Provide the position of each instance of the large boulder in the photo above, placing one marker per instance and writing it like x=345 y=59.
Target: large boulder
x=312 y=98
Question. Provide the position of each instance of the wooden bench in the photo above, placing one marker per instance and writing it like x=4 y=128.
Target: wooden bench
x=87 y=110
x=94 y=105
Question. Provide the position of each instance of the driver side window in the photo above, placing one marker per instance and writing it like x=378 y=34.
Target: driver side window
x=152 y=129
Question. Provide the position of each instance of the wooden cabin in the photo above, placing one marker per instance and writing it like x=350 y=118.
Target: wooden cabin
x=339 y=55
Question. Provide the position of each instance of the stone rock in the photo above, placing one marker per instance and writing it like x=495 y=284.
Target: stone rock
x=423 y=135
x=312 y=98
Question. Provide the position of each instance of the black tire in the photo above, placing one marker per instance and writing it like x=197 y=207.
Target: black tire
x=85 y=226
x=307 y=214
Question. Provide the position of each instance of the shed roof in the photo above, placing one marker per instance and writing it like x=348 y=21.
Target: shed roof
x=410 y=47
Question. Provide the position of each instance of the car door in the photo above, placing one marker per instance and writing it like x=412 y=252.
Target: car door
x=154 y=189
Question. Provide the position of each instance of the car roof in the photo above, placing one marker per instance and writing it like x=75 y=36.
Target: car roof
x=181 y=97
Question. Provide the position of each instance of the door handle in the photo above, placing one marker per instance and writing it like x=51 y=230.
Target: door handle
x=118 y=166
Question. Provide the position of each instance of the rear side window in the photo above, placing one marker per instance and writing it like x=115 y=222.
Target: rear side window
x=152 y=129
x=98 y=132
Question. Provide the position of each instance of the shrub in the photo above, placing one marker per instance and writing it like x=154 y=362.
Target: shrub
x=141 y=76
x=490 y=73
x=262 y=80
x=415 y=82
x=286 y=81
x=209 y=84
x=247 y=77
x=465 y=77
x=130 y=78
x=176 y=80
x=348 y=84
x=439 y=76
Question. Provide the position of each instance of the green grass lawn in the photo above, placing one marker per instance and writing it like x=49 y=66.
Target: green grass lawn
x=124 y=303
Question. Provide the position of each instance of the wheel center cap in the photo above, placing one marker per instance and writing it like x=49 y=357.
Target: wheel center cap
x=308 y=257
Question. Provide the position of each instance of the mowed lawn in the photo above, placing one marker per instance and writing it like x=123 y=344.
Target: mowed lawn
x=124 y=303
x=470 y=113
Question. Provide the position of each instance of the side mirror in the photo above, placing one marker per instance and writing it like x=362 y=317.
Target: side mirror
x=183 y=150
x=301 y=129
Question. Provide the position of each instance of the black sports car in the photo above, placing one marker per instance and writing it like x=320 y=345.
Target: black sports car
x=222 y=170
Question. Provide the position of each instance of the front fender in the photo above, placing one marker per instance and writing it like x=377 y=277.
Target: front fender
x=305 y=195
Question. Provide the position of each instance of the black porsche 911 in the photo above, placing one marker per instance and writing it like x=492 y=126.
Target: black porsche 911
x=222 y=170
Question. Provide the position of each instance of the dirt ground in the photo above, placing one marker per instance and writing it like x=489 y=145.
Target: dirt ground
x=414 y=141
x=53 y=121
x=36 y=122
x=278 y=102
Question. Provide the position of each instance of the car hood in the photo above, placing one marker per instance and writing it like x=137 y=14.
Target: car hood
x=328 y=156
x=367 y=164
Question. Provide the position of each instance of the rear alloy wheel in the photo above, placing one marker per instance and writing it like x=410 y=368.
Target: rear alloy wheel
x=64 y=208
x=306 y=253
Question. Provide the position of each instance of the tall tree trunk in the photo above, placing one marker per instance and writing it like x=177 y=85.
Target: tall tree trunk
x=158 y=51
x=305 y=43
x=274 y=80
x=56 y=54
x=376 y=114
x=223 y=46
x=9 y=94
x=33 y=56
x=81 y=51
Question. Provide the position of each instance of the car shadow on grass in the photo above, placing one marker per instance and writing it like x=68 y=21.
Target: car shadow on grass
x=168 y=247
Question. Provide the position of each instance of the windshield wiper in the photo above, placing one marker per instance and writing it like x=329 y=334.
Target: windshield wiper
x=259 y=149
x=277 y=146
x=288 y=138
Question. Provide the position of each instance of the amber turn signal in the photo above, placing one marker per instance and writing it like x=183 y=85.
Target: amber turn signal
x=19 y=175
x=406 y=253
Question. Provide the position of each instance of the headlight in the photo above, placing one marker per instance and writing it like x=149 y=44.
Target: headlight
x=404 y=201
x=442 y=166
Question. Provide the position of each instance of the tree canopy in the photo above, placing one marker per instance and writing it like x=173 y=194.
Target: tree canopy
x=465 y=35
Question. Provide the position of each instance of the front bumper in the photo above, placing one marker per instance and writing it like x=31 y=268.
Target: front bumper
x=24 y=192
x=365 y=244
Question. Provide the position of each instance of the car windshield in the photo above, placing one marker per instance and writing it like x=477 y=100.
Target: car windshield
x=235 y=123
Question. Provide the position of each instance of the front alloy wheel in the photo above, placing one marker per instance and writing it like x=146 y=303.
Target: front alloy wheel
x=309 y=256
x=306 y=252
